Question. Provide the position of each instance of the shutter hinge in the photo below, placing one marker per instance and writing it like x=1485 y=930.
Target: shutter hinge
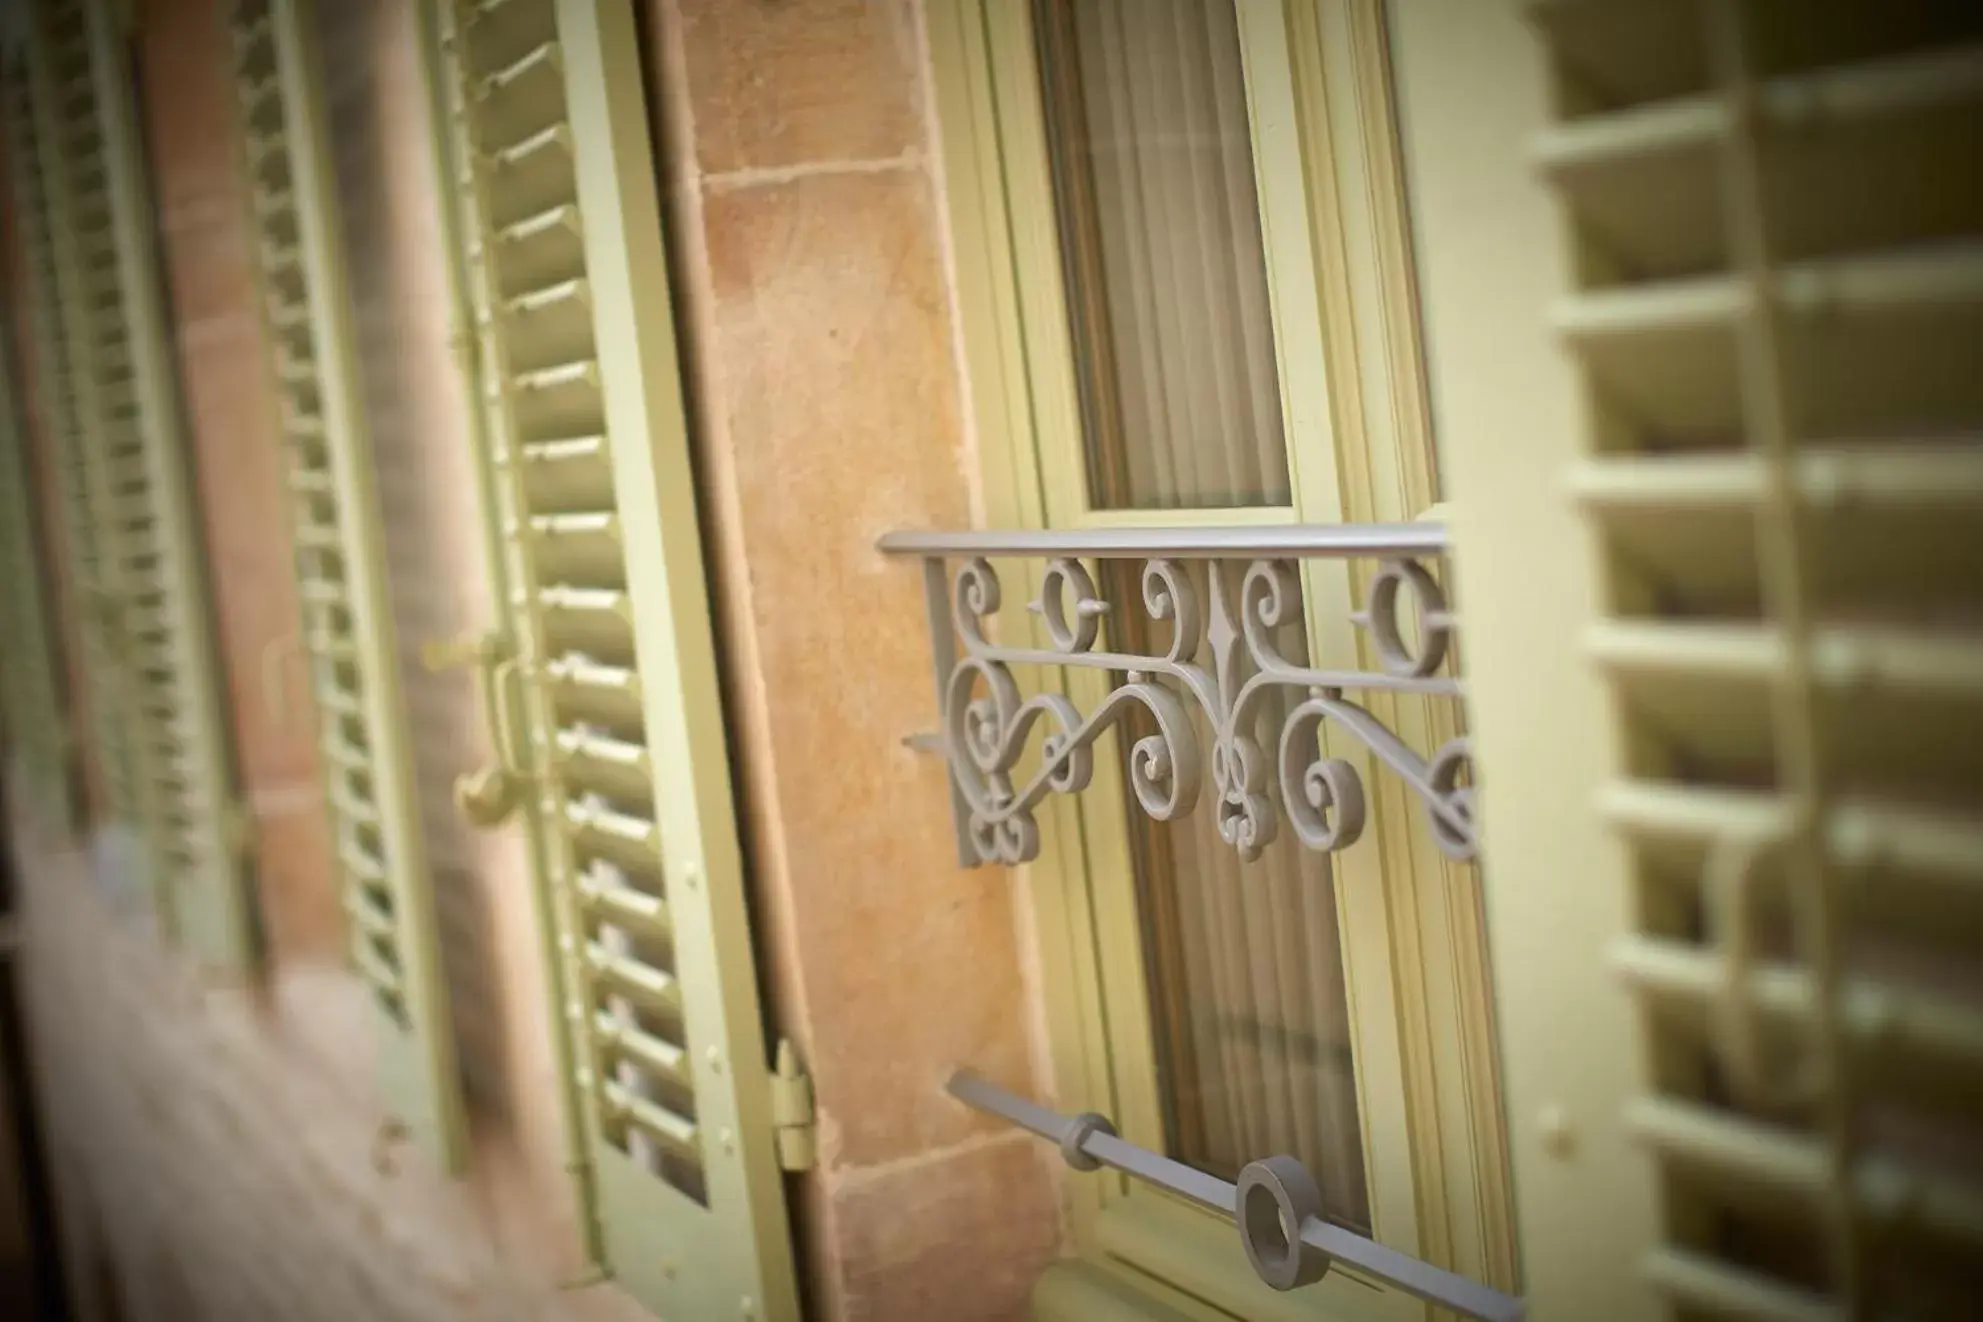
x=792 y=1117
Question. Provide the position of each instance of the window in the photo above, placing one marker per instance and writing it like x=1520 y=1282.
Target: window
x=347 y=633
x=1188 y=301
x=610 y=746
x=163 y=746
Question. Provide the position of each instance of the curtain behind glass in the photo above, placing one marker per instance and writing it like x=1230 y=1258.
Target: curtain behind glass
x=1160 y=236
x=1244 y=962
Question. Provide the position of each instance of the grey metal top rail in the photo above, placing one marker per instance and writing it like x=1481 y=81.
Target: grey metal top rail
x=1290 y=539
x=1271 y=1198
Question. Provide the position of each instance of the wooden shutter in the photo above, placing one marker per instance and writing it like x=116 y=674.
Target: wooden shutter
x=31 y=696
x=613 y=667
x=347 y=627
x=150 y=573
x=1779 y=256
x=57 y=389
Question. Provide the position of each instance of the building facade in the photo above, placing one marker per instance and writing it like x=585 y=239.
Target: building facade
x=968 y=659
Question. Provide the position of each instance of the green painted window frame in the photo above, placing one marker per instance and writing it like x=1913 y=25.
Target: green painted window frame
x=1340 y=272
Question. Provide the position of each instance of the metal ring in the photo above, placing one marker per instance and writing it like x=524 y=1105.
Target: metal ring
x=1076 y=1133
x=1271 y=1201
x=1429 y=603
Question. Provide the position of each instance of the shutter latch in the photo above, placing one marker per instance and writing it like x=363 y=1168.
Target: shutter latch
x=487 y=796
x=792 y=1112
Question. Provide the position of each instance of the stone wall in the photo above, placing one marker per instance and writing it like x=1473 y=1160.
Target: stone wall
x=220 y=1149
x=803 y=192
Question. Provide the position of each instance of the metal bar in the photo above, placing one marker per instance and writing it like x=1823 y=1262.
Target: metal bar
x=1282 y=540
x=1088 y=1142
x=943 y=652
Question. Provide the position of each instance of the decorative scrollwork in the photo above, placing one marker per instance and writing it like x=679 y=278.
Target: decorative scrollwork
x=1218 y=693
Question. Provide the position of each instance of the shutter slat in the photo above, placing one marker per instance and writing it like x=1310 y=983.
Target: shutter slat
x=1760 y=1161
x=1935 y=1041
x=1912 y=839
x=1938 y=664
x=1644 y=178
x=377 y=969
x=550 y=297
x=559 y=376
x=634 y=978
x=561 y=219
x=552 y=139
x=361 y=862
x=661 y=1059
x=1753 y=1160
x=623 y=838
x=370 y=916
x=1701 y=1281
x=541 y=60
x=657 y=1122
x=643 y=914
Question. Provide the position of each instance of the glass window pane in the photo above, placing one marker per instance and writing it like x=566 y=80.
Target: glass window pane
x=1160 y=238
x=1245 y=969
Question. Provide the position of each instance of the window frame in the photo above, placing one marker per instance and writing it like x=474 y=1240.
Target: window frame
x=1342 y=291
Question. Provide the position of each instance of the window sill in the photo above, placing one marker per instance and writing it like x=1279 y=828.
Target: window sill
x=1076 y=1290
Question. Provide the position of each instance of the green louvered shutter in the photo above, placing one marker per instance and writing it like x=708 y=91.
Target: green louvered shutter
x=56 y=392
x=32 y=701
x=151 y=573
x=1777 y=228
x=347 y=626
x=613 y=674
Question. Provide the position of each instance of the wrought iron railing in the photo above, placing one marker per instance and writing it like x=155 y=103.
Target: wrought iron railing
x=1209 y=664
x=1201 y=637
